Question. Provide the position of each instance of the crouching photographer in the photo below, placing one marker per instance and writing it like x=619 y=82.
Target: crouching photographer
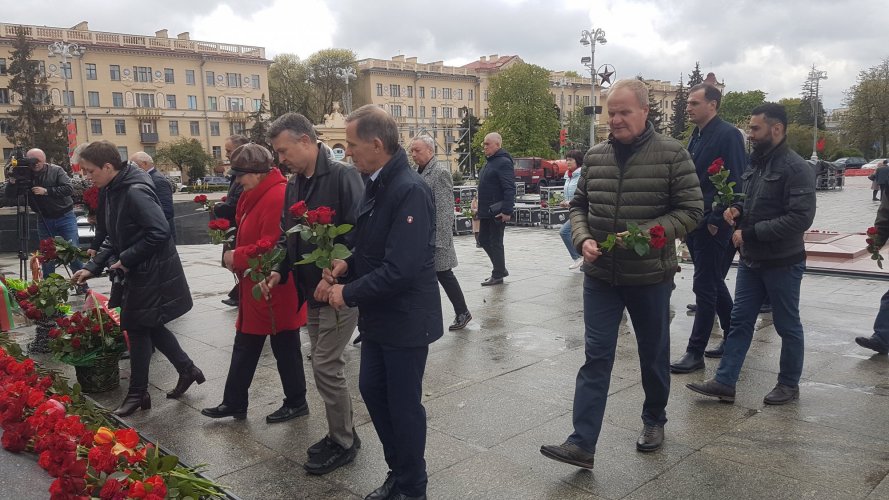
x=48 y=192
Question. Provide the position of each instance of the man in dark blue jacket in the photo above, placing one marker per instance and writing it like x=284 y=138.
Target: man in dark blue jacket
x=391 y=278
x=710 y=243
x=496 y=196
x=227 y=208
x=777 y=209
x=163 y=188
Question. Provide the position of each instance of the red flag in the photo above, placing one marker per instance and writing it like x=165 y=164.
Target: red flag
x=819 y=146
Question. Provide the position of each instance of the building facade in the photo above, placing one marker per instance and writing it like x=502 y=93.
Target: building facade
x=142 y=91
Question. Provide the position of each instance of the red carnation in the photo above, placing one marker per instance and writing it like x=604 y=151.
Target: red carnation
x=870 y=231
x=112 y=490
x=264 y=245
x=299 y=209
x=325 y=215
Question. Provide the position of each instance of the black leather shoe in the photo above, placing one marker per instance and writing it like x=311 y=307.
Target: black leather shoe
x=781 y=395
x=765 y=309
x=692 y=308
x=651 y=439
x=569 y=453
x=689 y=362
x=231 y=302
x=402 y=496
x=357 y=340
x=460 y=321
x=332 y=457
x=133 y=401
x=192 y=375
x=717 y=351
x=320 y=445
x=492 y=281
x=385 y=491
x=872 y=343
x=223 y=411
x=285 y=413
x=712 y=388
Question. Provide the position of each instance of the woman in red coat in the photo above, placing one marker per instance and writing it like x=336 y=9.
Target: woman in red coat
x=259 y=218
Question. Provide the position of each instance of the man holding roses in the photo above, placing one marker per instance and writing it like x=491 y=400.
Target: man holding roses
x=713 y=142
x=877 y=237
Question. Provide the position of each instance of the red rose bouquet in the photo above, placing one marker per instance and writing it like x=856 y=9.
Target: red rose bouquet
x=44 y=299
x=84 y=336
x=221 y=232
x=317 y=227
x=874 y=244
x=60 y=251
x=263 y=257
x=205 y=204
x=725 y=193
x=91 y=199
x=637 y=240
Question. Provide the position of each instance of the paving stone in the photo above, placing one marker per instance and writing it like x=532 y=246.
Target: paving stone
x=281 y=478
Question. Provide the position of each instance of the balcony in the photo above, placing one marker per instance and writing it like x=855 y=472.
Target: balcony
x=237 y=116
x=149 y=137
x=148 y=114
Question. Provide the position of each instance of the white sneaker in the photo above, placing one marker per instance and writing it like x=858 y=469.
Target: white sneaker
x=577 y=264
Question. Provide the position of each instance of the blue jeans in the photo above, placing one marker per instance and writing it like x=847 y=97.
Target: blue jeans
x=712 y=298
x=565 y=233
x=64 y=226
x=881 y=324
x=781 y=285
x=603 y=308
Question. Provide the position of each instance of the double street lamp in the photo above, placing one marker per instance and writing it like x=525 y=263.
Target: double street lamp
x=812 y=84
x=591 y=37
x=66 y=50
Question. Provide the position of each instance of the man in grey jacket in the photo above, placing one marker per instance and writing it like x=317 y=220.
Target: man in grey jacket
x=777 y=209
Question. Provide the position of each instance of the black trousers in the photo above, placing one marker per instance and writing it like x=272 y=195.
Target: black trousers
x=712 y=297
x=452 y=288
x=391 y=383
x=141 y=343
x=490 y=236
x=245 y=356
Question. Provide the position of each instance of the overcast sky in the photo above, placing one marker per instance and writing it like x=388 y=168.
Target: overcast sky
x=769 y=46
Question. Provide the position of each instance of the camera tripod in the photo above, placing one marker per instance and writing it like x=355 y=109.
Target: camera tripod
x=23 y=230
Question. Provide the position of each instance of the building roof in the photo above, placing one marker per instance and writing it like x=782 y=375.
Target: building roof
x=491 y=63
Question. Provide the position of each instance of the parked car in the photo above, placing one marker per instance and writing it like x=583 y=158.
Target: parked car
x=850 y=162
x=873 y=164
x=214 y=181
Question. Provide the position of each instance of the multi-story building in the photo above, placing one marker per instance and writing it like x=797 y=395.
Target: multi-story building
x=141 y=91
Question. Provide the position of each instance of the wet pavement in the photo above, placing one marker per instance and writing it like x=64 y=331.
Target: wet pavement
x=499 y=389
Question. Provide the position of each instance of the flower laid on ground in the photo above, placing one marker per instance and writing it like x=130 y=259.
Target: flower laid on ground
x=317 y=228
x=84 y=336
x=44 y=299
x=725 y=193
x=205 y=204
x=874 y=244
x=221 y=232
x=637 y=240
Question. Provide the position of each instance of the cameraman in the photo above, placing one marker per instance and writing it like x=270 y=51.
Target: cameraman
x=50 y=198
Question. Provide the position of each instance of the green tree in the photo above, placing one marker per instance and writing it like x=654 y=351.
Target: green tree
x=36 y=122
x=522 y=111
x=655 y=114
x=792 y=106
x=326 y=85
x=695 y=77
x=571 y=74
x=679 y=122
x=799 y=139
x=289 y=88
x=577 y=125
x=736 y=106
x=187 y=154
x=469 y=125
x=259 y=132
x=866 y=122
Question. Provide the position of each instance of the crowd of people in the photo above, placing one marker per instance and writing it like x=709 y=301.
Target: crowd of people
x=402 y=249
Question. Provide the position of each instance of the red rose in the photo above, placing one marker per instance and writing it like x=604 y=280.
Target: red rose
x=91 y=198
x=111 y=490
x=311 y=217
x=870 y=231
x=101 y=459
x=157 y=486
x=54 y=333
x=714 y=169
x=201 y=198
x=127 y=437
x=22 y=295
x=299 y=209
x=869 y=241
x=325 y=215
x=264 y=245
x=219 y=224
x=656 y=231
x=657 y=242
x=457 y=201
x=75 y=343
x=719 y=161
x=224 y=199
x=251 y=251
x=33 y=290
x=137 y=490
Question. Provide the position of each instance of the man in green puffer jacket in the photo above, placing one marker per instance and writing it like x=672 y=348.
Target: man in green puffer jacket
x=648 y=179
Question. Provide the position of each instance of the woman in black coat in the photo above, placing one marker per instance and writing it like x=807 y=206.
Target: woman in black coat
x=148 y=282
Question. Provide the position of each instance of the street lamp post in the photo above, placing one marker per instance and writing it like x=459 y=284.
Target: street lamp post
x=815 y=77
x=561 y=84
x=588 y=37
x=346 y=75
x=66 y=50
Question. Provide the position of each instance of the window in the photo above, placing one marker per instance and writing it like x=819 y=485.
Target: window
x=447 y=112
x=2 y=66
x=234 y=79
x=257 y=103
x=150 y=150
x=144 y=100
x=211 y=104
x=41 y=96
x=422 y=111
x=422 y=92
x=487 y=113
x=96 y=126
x=445 y=93
x=586 y=100
x=434 y=111
x=214 y=128
x=410 y=111
x=68 y=98
x=211 y=77
x=142 y=74
x=217 y=152
x=395 y=110
x=93 y=98
x=4 y=96
x=7 y=152
x=168 y=75
x=120 y=127
x=117 y=99
x=471 y=95
x=192 y=102
x=66 y=70
x=237 y=128
x=379 y=89
x=194 y=127
x=174 y=127
x=459 y=94
x=394 y=90
x=254 y=81
x=569 y=99
x=4 y=129
x=189 y=77
x=41 y=67
x=171 y=101
x=122 y=150
x=91 y=71
x=115 y=72
x=433 y=93
x=410 y=90
x=486 y=94
x=236 y=104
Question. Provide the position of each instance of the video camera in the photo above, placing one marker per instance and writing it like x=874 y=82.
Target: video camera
x=21 y=170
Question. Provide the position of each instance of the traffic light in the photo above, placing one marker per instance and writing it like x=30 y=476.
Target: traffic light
x=563 y=137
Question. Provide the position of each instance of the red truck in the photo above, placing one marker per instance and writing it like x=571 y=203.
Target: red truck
x=536 y=172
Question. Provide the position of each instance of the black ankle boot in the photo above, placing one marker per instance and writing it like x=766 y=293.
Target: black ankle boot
x=134 y=401
x=190 y=376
